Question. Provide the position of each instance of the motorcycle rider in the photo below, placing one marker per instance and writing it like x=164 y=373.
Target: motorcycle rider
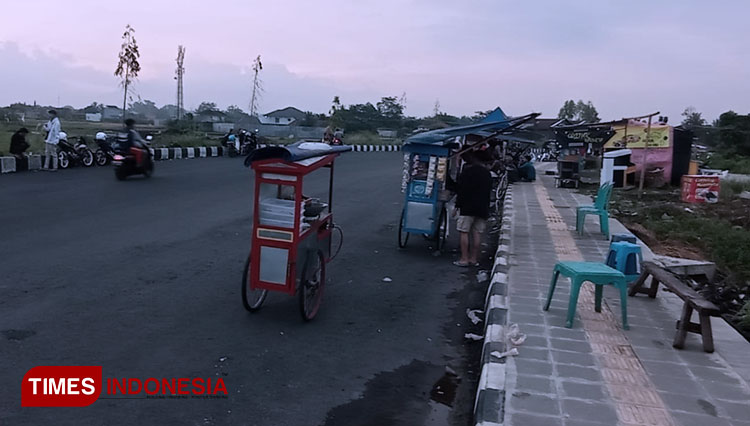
x=253 y=140
x=129 y=138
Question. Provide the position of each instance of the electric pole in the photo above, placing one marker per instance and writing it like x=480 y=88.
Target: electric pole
x=257 y=87
x=179 y=73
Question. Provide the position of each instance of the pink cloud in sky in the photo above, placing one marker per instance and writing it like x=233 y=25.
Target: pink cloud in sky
x=630 y=58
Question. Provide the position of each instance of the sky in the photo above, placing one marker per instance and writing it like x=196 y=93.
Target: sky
x=628 y=58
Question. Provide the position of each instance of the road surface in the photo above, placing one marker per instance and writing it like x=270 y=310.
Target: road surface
x=143 y=278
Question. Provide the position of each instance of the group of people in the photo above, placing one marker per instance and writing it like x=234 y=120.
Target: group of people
x=54 y=133
x=54 y=136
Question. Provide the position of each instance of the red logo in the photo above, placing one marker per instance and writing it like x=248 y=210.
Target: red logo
x=61 y=386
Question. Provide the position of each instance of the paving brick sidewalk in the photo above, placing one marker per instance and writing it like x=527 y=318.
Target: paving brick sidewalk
x=596 y=373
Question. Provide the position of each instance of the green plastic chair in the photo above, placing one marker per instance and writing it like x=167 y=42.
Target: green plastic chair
x=599 y=208
x=597 y=273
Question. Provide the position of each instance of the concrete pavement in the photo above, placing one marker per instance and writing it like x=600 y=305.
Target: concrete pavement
x=596 y=373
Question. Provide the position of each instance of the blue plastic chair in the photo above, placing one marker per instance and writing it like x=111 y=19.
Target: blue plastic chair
x=599 y=208
x=597 y=273
x=626 y=258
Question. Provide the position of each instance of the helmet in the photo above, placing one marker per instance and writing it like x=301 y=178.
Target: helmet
x=62 y=136
x=101 y=136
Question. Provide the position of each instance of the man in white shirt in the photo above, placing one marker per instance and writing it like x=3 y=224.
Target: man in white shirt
x=53 y=137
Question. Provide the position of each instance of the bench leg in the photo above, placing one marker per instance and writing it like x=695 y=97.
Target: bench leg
x=654 y=288
x=575 y=288
x=682 y=327
x=551 y=290
x=708 y=338
x=598 y=290
x=636 y=288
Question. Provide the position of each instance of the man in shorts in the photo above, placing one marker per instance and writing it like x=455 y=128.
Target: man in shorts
x=473 y=203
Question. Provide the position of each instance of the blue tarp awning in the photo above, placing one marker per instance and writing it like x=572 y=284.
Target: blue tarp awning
x=496 y=115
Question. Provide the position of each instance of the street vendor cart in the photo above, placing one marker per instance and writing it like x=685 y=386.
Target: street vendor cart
x=430 y=158
x=292 y=233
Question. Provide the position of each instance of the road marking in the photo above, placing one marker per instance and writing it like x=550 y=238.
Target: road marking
x=636 y=400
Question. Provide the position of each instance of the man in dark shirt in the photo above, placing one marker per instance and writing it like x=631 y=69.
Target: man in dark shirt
x=18 y=144
x=473 y=190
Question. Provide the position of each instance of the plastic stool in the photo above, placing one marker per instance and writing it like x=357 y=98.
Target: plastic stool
x=626 y=258
x=597 y=273
x=630 y=238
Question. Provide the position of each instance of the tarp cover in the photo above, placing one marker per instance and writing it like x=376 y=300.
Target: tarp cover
x=293 y=152
x=441 y=136
x=496 y=115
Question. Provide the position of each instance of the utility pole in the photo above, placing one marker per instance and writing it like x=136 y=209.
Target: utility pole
x=644 y=161
x=257 y=87
x=179 y=73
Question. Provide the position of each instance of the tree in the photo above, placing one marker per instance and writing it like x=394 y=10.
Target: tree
x=236 y=114
x=735 y=132
x=692 y=118
x=145 y=107
x=257 y=87
x=206 y=107
x=568 y=110
x=390 y=109
x=579 y=111
x=128 y=66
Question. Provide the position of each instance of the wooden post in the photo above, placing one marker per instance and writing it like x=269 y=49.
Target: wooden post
x=644 y=161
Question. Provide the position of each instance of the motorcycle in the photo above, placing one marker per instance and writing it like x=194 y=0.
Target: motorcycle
x=133 y=163
x=78 y=153
x=105 y=153
x=133 y=160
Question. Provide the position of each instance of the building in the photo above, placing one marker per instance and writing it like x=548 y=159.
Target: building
x=111 y=112
x=283 y=117
x=96 y=116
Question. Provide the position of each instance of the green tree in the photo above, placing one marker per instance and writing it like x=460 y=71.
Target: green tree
x=128 y=66
x=235 y=113
x=144 y=107
x=735 y=132
x=587 y=112
x=578 y=111
x=205 y=107
x=692 y=118
x=568 y=111
x=390 y=108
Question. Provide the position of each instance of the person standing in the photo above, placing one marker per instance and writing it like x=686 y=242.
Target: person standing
x=473 y=203
x=18 y=144
x=53 y=138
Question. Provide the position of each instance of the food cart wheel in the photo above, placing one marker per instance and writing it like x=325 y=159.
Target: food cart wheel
x=403 y=236
x=312 y=285
x=251 y=298
x=441 y=233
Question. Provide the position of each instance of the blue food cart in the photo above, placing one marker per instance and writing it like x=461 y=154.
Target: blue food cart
x=429 y=160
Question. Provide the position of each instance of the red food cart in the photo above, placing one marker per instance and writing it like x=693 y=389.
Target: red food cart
x=291 y=241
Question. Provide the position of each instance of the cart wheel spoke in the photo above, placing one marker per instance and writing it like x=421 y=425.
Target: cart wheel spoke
x=312 y=286
x=252 y=298
x=403 y=236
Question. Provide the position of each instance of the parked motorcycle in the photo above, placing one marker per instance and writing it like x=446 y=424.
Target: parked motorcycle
x=77 y=153
x=105 y=152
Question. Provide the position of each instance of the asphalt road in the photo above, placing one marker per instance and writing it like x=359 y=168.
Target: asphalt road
x=143 y=278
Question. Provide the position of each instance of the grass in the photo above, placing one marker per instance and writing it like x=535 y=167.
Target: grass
x=730 y=189
x=717 y=232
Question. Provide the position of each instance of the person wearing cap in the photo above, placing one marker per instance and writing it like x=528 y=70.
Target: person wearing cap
x=52 y=127
x=18 y=144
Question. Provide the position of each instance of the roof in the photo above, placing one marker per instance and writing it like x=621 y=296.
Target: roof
x=496 y=115
x=441 y=137
x=286 y=112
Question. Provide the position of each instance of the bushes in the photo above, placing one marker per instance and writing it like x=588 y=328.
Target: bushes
x=735 y=163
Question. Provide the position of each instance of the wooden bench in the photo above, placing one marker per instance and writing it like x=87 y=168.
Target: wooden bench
x=693 y=301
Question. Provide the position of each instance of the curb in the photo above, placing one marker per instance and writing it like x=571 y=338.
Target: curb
x=489 y=404
x=34 y=162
